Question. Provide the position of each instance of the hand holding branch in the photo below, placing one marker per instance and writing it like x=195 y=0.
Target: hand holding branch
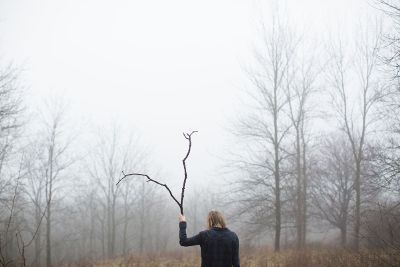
x=182 y=218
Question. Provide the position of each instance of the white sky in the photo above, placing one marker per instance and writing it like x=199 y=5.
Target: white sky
x=161 y=67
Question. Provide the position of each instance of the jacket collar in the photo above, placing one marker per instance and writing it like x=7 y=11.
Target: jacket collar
x=219 y=229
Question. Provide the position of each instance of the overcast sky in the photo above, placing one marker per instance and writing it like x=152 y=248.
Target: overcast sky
x=159 y=67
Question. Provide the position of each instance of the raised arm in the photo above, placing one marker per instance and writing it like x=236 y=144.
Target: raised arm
x=183 y=239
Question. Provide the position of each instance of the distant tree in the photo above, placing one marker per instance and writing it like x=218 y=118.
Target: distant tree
x=12 y=224
x=356 y=112
x=266 y=129
x=54 y=156
x=35 y=194
x=11 y=126
x=391 y=55
x=388 y=158
x=301 y=88
x=129 y=195
x=112 y=152
x=333 y=183
x=381 y=230
x=11 y=121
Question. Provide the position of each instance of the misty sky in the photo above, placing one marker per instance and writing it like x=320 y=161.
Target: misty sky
x=157 y=67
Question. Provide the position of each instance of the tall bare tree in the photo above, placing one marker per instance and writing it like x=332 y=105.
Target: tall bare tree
x=129 y=197
x=11 y=125
x=391 y=55
x=112 y=153
x=389 y=156
x=10 y=120
x=34 y=190
x=301 y=86
x=268 y=126
x=357 y=91
x=55 y=139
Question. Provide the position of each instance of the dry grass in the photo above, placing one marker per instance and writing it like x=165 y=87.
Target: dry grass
x=260 y=257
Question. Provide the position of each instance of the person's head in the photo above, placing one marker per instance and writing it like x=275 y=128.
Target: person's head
x=215 y=219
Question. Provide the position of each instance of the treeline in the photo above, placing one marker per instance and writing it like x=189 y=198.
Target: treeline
x=320 y=144
x=59 y=202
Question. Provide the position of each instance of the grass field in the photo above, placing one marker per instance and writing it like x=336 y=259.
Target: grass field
x=260 y=257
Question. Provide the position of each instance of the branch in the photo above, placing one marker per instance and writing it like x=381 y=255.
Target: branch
x=149 y=179
x=189 y=138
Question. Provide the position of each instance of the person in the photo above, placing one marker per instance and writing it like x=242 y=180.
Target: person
x=219 y=246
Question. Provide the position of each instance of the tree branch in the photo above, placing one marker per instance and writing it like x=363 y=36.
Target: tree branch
x=188 y=136
x=149 y=179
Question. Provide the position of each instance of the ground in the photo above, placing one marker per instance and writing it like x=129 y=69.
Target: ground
x=260 y=257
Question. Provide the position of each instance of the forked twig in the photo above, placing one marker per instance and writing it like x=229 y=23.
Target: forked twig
x=149 y=179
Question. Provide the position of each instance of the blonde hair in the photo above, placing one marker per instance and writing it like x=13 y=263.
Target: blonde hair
x=215 y=219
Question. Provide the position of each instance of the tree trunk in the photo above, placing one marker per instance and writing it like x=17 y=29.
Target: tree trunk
x=113 y=228
x=277 y=201
x=109 y=228
x=104 y=237
x=49 y=202
x=343 y=235
x=36 y=261
x=48 y=232
x=299 y=202
x=125 y=232
x=142 y=219
x=304 y=192
x=357 y=222
x=91 y=234
x=277 y=173
x=277 y=216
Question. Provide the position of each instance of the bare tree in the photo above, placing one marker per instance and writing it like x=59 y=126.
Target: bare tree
x=103 y=171
x=391 y=53
x=110 y=154
x=129 y=198
x=301 y=86
x=11 y=239
x=146 y=200
x=356 y=112
x=11 y=124
x=10 y=121
x=267 y=127
x=56 y=141
x=381 y=230
x=10 y=111
x=332 y=186
x=34 y=190
x=7 y=257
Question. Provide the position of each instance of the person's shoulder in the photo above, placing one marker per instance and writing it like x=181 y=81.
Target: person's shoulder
x=208 y=233
x=230 y=231
x=233 y=234
x=204 y=235
x=204 y=232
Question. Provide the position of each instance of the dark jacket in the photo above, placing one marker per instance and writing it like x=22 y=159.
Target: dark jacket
x=219 y=246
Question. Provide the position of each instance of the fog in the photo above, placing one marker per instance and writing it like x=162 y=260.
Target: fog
x=110 y=86
x=158 y=67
